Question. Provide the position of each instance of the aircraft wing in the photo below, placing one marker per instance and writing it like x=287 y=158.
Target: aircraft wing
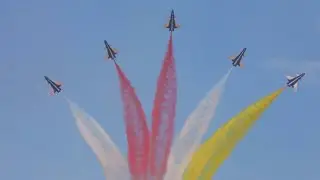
x=289 y=77
x=232 y=57
x=115 y=50
x=295 y=87
x=53 y=91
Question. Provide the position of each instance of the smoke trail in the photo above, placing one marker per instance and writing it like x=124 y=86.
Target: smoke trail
x=195 y=127
x=207 y=159
x=163 y=115
x=114 y=165
x=136 y=129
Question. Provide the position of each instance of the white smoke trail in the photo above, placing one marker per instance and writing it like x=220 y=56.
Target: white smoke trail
x=114 y=165
x=194 y=128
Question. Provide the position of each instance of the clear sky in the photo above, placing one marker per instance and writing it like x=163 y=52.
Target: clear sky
x=64 y=40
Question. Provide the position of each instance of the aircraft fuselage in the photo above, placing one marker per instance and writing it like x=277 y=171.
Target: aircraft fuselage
x=172 y=22
x=111 y=53
x=293 y=81
x=54 y=86
x=236 y=61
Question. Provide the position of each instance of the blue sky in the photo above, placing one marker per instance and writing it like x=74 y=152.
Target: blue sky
x=64 y=40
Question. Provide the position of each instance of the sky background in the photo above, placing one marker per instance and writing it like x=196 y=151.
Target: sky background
x=64 y=40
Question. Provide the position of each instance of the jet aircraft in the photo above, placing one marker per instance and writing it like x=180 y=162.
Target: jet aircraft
x=55 y=86
x=172 y=22
x=236 y=60
x=293 y=81
x=112 y=52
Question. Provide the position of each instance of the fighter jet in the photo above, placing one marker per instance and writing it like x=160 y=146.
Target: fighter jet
x=172 y=22
x=293 y=81
x=111 y=51
x=236 y=60
x=55 y=86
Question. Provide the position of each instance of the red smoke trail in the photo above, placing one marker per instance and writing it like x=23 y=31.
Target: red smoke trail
x=163 y=116
x=136 y=129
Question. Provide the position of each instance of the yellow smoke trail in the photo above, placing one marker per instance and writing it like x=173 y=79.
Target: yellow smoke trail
x=211 y=154
x=193 y=130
